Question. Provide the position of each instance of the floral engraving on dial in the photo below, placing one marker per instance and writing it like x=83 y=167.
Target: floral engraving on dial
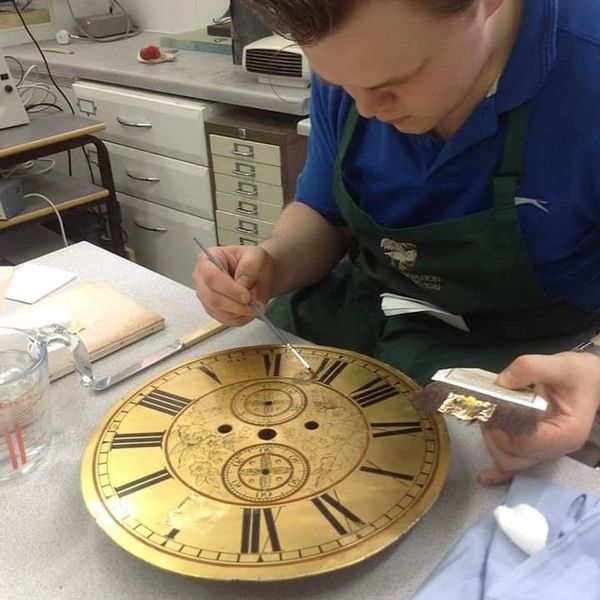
x=319 y=427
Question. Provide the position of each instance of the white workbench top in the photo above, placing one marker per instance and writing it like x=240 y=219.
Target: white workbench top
x=52 y=549
x=202 y=75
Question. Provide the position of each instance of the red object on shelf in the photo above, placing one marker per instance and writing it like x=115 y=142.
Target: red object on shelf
x=150 y=52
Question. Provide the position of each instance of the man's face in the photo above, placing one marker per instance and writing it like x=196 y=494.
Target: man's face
x=405 y=66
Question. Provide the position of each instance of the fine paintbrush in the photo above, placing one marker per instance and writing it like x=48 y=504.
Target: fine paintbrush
x=259 y=313
x=473 y=395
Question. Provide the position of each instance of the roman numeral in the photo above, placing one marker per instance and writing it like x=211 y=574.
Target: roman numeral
x=251 y=532
x=170 y=404
x=326 y=373
x=272 y=364
x=394 y=474
x=210 y=373
x=171 y=535
x=321 y=504
x=152 y=439
x=373 y=392
x=142 y=483
x=396 y=428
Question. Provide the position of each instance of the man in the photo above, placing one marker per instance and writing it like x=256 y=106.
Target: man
x=454 y=158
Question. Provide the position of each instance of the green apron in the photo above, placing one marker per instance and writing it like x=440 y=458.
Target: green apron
x=476 y=266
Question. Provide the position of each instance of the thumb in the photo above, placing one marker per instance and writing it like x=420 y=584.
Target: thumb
x=247 y=275
x=529 y=370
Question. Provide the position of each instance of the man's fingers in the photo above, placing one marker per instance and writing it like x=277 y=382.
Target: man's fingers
x=552 y=438
x=505 y=454
x=531 y=369
x=494 y=477
x=222 y=283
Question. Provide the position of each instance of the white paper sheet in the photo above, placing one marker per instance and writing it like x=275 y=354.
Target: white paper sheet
x=393 y=304
x=31 y=282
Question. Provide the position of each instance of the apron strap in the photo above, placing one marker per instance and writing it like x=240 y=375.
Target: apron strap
x=349 y=127
x=506 y=179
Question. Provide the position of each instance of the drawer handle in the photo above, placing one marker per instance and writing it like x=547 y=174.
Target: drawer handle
x=243 y=150
x=141 y=177
x=128 y=123
x=239 y=173
x=247 y=242
x=246 y=227
x=246 y=208
x=253 y=194
x=153 y=229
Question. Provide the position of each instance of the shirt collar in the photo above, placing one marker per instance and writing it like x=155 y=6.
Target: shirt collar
x=532 y=57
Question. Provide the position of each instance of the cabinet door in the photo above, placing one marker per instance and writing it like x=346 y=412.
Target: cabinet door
x=162 y=238
x=167 y=125
x=172 y=183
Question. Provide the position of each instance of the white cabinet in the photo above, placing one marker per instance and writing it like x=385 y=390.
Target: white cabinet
x=163 y=124
x=158 y=150
x=163 y=237
x=174 y=183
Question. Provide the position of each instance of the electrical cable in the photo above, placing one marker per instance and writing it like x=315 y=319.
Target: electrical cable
x=18 y=11
x=60 y=221
x=42 y=106
x=23 y=169
x=20 y=65
x=27 y=92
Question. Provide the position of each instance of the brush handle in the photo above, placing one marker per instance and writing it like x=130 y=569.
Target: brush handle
x=592 y=346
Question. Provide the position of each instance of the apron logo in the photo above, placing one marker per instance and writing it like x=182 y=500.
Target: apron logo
x=402 y=255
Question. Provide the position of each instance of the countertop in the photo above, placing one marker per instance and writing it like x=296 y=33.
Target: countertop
x=52 y=549
x=199 y=75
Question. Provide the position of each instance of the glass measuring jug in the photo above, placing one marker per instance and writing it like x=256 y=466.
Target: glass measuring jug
x=25 y=414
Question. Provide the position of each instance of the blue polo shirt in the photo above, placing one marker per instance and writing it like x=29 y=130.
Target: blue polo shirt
x=406 y=180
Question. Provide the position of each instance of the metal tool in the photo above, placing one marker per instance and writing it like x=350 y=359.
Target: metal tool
x=259 y=312
x=179 y=344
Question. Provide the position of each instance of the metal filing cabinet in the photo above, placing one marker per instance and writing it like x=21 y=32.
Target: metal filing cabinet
x=255 y=159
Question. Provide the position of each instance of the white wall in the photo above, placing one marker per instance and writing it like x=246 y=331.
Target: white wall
x=169 y=16
x=172 y=16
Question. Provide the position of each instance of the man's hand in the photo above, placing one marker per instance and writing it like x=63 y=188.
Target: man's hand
x=226 y=296
x=571 y=383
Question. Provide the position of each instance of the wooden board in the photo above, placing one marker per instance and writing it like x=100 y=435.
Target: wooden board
x=104 y=319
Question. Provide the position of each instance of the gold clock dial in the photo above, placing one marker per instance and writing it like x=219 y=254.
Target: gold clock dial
x=239 y=466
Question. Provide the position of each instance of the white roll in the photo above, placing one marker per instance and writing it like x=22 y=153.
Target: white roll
x=63 y=37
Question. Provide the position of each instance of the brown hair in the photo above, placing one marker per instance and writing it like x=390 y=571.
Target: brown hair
x=308 y=21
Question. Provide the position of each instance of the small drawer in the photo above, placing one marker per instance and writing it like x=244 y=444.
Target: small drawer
x=252 y=190
x=246 y=150
x=245 y=226
x=245 y=207
x=247 y=171
x=164 y=124
x=231 y=238
x=172 y=183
